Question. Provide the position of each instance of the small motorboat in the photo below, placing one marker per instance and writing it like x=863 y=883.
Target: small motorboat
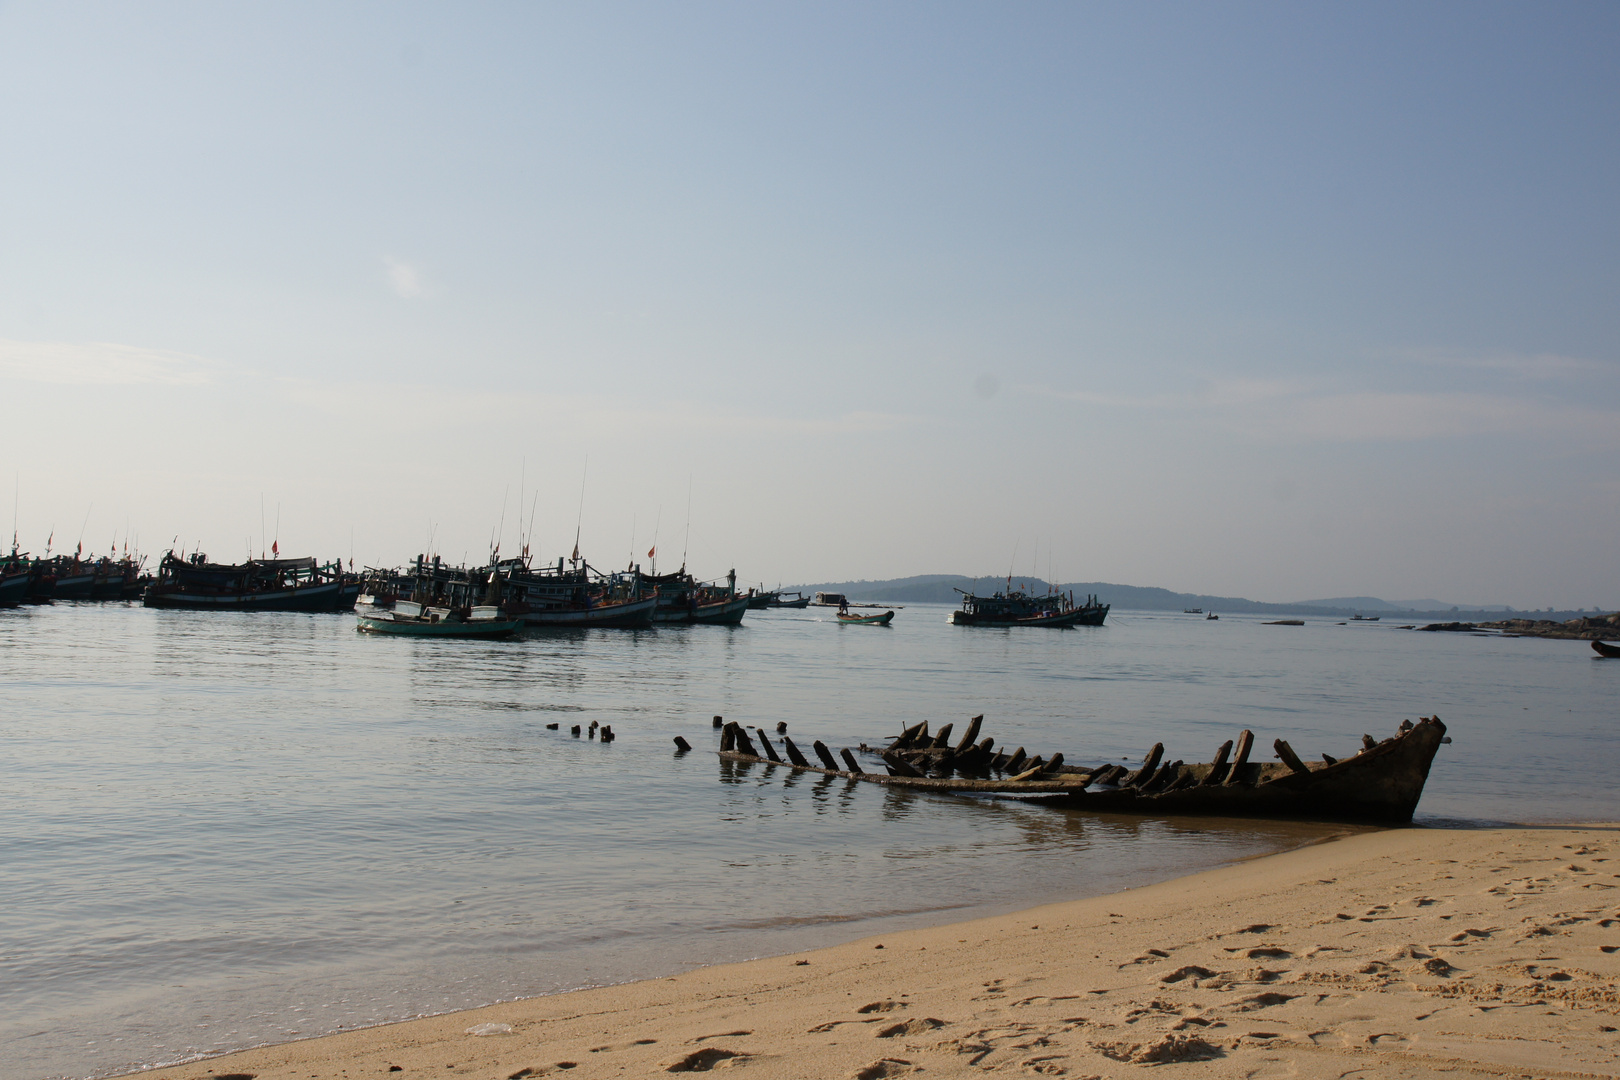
x=1606 y=651
x=411 y=619
x=1210 y=616
x=867 y=620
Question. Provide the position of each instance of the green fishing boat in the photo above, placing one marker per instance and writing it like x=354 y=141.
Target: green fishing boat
x=867 y=620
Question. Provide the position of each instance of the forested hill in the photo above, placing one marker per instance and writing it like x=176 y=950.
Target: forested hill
x=941 y=588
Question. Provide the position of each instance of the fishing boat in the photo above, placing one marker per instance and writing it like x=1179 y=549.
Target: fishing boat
x=763 y=598
x=411 y=619
x=1192 y=611
x=195 y=584
x=1606 y=651
x=1211 y=616
x=1381 y=782
x=1017 y=608
x=684 y=600
x=799 y=601
x=1365 y=618
x=578 y=597
x=75 y=579
x=867 y=620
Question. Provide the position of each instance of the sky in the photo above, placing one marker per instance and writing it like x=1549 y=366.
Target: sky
x=1272 y=300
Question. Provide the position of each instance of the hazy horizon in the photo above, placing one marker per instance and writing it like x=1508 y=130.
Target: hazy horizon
x=1255 y=300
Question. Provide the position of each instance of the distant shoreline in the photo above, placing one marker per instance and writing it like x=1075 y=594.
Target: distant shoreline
x=942 y=589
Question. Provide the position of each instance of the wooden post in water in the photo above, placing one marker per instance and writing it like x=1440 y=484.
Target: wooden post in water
x=849 y=759
x=728 y=737
x=770 y=751
x=743 y=745
x=943 y=739
x=682 y=745
x=793 y=753
x=824 y=754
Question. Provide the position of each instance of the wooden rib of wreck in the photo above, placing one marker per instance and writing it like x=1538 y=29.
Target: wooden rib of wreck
x=1382 y=782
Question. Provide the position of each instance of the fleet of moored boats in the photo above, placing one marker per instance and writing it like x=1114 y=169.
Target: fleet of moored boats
x=431 y=598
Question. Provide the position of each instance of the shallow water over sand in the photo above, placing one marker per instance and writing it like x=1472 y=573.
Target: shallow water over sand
x=218 y=830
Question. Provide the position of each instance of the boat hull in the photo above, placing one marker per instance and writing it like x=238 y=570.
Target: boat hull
x=1086 y=616
x=725 y=613
x=75 y=587
x=487 y=628
x=868 y=620
x=1606 y=651
x=632 y=615
x=801 y=602
x=13 y=590
x=326 y=596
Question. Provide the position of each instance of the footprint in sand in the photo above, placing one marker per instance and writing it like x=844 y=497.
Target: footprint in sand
x=882 y=1068
x=918 y=1026
x=704 y=1060
x=1191 y=971
x=1268 y=952
x=881 y=1007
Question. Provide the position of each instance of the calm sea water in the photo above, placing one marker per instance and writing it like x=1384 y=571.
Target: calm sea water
x=221 y=830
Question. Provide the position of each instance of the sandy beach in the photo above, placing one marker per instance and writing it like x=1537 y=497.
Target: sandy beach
x=1407 y=953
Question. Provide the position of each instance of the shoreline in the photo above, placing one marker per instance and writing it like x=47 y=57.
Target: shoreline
x=1407 y=952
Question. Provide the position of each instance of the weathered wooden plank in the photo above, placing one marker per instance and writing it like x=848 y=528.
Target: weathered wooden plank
x=849 y=759
x=943 y=739
x=1217 y=768
x=1289 y=758
x=970 y=735
x=728 y=736
x=1150 y=765
x=899 y=766
x=1013 y=762
x=1245 y=744
x=682 y=745
x=770 y=751
x=743 y=745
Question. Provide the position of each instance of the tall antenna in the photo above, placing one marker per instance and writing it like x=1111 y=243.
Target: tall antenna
x=16 y=498
x=263 y=532
x=84 y=525
x=687 y=543
x=534 y=502
x=652 y=552
x=1011 y=562
x=632 y=538
x=579 y=521
x=500 y=532
x=522 y=475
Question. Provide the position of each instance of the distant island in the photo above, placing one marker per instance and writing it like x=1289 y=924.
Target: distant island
x=941 y=589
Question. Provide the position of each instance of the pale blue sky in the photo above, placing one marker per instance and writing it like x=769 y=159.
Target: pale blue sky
x=1278 y=300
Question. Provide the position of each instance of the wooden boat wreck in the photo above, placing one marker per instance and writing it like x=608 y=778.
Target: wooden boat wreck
x=1381 y=782
x=1606 y=651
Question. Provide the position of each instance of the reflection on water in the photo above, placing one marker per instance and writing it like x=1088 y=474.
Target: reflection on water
x=223 y=829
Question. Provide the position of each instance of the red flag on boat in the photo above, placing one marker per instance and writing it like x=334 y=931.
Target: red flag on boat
x=275 y=547
x=651 y=550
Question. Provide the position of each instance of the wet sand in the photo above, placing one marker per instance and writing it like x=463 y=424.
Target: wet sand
x=1407 y=953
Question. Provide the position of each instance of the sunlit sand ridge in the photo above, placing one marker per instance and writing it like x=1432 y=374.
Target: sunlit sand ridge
x=1410 y=953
